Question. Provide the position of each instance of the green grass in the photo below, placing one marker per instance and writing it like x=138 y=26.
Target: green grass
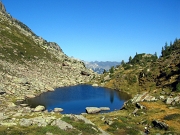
x=34 y=130
x=86 y=129
x=117 y=127
x=15 y=46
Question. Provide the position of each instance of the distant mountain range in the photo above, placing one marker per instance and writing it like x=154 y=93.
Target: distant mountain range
x=100 y=66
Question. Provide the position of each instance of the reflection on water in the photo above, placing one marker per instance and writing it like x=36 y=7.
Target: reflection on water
x=75 y=99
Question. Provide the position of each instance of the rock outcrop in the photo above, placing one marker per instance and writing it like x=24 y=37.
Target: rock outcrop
x=2 y=7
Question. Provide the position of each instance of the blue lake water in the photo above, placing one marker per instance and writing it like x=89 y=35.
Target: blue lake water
x=74 y=99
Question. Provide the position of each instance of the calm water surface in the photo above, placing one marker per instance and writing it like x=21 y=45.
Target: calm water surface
x=75 y=99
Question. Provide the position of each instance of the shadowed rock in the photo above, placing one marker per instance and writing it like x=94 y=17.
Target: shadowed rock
x=160 y=125
x=85 y=73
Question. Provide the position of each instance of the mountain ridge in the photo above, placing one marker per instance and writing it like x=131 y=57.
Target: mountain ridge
x=101 y=66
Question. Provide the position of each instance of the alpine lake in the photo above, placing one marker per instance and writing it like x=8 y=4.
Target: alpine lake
x=74 y=99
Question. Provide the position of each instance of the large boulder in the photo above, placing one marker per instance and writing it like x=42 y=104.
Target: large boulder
x=92 y=109
x=39 y=108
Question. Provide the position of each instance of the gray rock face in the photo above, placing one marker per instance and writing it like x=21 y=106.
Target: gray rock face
x=61 y=124
x=106 y=78
x=25 y=122
x=55 y=46
x=92 y=109
x=143 y=97
x=2 y=91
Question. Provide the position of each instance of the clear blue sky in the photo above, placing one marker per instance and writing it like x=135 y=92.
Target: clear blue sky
x=103 y=30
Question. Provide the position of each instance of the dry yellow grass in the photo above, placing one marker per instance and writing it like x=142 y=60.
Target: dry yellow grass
x=161 y=111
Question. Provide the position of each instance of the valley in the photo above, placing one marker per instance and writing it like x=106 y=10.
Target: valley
x=30 y=66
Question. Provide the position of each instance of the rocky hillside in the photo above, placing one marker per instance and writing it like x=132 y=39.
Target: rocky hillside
x=146 y=72
x=29 y=65
x=154 y=84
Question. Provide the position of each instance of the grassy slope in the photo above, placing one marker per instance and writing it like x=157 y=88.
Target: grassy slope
x=16 y=47
x=145 y=75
